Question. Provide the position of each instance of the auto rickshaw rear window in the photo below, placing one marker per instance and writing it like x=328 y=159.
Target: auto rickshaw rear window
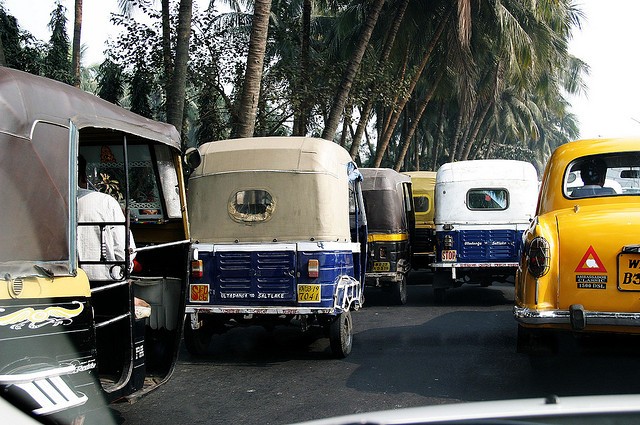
x=253 y=205
x=422 y=203
x=487 y=199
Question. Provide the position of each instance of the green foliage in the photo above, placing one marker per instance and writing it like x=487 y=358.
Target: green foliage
x=110 y=82
x=57 y=64
x=21 y=49
x=141 y=83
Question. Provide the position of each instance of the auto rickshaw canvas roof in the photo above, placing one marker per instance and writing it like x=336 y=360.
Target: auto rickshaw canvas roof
x=26 y=99
x=422 y=181
x=36 y=115
x=301 y=154
x=306 y=178
x=382 y=179
x=478 y=169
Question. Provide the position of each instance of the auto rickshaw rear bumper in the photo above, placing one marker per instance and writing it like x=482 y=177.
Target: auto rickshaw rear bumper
x=374 y=278
x=285 y=310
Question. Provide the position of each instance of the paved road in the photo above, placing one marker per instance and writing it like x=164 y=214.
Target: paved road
x=418 y=354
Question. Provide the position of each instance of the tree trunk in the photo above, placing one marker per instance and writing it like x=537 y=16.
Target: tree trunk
x=388 y=47
x=475 y=130
x=350 y=73
x=3 y=60
x=301 y=114
x=75 y=48
x=175 y=103
x=166 y=44
x=437 y=139
x=421 y=108
x=456 y=137
x=253 y=74
x=384 y=142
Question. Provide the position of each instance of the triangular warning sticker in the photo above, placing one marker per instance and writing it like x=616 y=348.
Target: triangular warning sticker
x=590 y=262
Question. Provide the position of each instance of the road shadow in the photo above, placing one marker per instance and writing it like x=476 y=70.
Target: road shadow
x=471 y=356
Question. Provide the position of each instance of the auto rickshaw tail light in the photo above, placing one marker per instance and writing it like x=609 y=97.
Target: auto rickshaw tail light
x=538 y=257
x=313 y=268
x=197 y=269
x=447 y=242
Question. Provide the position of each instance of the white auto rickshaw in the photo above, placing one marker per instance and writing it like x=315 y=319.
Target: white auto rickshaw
x=482 y=209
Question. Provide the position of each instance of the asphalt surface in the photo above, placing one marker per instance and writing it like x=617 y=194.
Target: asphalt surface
x=403 y=356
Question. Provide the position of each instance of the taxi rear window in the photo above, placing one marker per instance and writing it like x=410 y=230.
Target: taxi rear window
x=603 y=175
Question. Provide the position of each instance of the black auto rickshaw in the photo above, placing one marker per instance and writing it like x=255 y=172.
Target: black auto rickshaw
x=70 y=341
x=391 y=223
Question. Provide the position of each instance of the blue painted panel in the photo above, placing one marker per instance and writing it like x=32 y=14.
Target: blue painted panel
x=269 y=278
x=332 y=265
x=497 y=245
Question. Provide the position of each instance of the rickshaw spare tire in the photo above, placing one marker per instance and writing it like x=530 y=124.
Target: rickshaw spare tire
x=341 y=335
x=197 y=341
x=399 y=291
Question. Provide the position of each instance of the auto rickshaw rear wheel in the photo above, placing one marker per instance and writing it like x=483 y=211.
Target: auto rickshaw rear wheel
x=399 y=291
x=197 y=341
x=341 y=335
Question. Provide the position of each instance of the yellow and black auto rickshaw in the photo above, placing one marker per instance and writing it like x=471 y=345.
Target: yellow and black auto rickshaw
x=391 y=223
x=69 y=342
x=423 y=245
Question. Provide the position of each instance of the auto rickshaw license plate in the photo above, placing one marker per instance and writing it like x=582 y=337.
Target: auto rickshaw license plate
x=381 y=266
x=199 y=293
x=449 y=255
x=308 y=293
x=629 y=271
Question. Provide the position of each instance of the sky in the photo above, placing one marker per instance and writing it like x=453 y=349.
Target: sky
x=607 y=42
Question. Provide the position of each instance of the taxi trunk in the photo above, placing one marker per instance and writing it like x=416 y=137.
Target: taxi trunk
x=599 y=272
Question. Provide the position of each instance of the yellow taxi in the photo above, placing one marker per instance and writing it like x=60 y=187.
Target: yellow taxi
x=580 y=265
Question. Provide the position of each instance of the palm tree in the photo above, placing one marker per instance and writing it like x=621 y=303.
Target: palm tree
x=75 y=53
x=349 y=75
x=176 y=87
x=248 y=106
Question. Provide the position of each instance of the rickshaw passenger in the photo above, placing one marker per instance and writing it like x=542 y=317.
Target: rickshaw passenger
x=100 y=207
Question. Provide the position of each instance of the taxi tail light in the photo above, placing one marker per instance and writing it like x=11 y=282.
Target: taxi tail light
x=538 y=257
x=197 y=269
x=313 y=268
x=447 y=242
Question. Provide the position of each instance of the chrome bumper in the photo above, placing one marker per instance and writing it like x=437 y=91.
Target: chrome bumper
x=530 y=316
